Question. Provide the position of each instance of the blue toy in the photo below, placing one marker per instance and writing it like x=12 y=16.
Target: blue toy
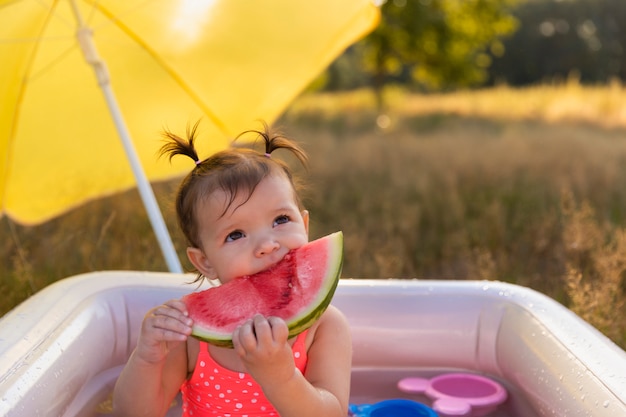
x=392 y=408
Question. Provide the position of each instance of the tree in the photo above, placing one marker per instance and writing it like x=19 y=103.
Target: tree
x=434 y=44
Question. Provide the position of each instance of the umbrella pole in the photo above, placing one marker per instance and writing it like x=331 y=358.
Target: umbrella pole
x=85 y=39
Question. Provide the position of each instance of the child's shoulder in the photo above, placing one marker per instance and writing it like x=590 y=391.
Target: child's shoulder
x=332 y=314
x=332 y=323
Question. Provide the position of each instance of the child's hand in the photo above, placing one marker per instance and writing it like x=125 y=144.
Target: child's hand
x=261 y=343
x=163 y=327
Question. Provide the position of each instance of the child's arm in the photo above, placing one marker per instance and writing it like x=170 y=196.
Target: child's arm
x=324 y=389
x=158 y=365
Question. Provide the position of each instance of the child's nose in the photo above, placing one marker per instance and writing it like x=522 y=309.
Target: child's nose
x=266 y=246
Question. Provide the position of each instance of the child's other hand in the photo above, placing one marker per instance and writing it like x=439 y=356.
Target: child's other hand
x=163 y=327
x=261 y=343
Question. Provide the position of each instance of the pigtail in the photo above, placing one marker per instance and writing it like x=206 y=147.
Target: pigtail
x=175 y=145
x=275 y=140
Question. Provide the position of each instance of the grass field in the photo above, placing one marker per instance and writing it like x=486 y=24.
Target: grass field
x=520 y=185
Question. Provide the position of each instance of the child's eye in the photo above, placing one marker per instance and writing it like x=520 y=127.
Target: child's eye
x=232 y=236
x=281 y=220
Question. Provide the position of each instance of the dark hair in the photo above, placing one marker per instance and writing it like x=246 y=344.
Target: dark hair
x=232 y=170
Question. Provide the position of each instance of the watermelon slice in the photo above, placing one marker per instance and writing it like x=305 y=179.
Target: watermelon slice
x=297 y=289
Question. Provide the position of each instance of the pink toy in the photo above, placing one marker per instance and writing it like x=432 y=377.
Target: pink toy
x=458 y=394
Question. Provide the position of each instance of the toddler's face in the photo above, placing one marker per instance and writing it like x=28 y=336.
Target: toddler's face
x=253 y=234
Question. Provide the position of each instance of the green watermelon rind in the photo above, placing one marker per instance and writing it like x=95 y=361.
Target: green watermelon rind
x=306 y=318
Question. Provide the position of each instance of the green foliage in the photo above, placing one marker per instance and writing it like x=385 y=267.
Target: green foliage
x=440 y=45
x=432 y=44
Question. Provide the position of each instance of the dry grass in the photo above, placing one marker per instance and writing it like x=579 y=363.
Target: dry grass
x=525 y=186
x=596 y=263
x=569 y=102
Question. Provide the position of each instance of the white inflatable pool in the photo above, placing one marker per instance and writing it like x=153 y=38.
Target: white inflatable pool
x=62 y=349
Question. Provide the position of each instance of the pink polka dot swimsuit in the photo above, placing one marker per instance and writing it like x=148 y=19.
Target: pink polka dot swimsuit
x=214 y=390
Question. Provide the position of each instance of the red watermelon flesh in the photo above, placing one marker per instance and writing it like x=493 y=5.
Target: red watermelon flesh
x=297 y=289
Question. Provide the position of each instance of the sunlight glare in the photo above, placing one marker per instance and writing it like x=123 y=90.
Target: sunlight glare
x=190 y=18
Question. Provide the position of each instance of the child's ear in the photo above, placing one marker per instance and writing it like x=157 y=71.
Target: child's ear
x=199 y=260
x=305 y=218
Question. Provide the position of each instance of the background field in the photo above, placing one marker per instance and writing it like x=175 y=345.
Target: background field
x=520 y=185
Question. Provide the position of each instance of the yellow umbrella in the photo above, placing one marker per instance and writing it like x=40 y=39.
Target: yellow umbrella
x=158 y=63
